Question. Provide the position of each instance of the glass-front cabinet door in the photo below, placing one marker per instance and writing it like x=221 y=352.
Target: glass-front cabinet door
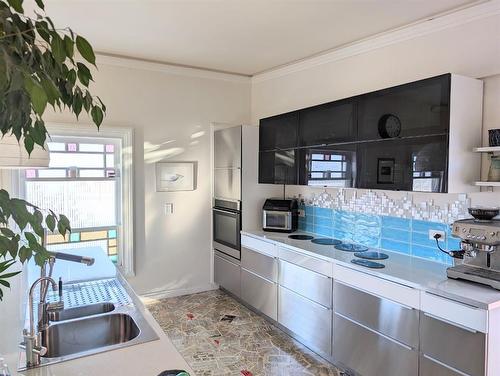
x=417 y=164
x=415 y=109
x=279 y=132
x=329 y=166
x=327 y=124
x=278 y=167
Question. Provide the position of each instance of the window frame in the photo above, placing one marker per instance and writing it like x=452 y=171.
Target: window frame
x=126 y=262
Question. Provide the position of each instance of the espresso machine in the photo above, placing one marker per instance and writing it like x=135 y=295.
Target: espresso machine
x=480 y=240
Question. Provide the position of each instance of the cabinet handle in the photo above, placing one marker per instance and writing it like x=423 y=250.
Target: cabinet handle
x=449 y=322
x=444 y=365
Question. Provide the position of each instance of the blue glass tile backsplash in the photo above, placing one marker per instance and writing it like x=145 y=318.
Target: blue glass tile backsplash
x=407 y=236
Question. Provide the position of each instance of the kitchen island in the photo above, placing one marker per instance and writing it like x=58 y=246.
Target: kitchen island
x=146 y=358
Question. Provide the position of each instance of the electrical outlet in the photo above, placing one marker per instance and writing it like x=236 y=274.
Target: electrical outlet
x=434 y=232
x=302 y=213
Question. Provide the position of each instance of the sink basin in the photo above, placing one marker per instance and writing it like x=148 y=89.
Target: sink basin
x=72 y=337
x=82 y=311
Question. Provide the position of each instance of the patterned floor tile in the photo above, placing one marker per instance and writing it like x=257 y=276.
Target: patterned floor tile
x=220 y=337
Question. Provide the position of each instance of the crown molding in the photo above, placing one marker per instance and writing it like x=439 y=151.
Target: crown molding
x=414 y=30
x=155 y=66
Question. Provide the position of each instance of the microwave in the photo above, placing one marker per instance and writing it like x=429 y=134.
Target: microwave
x=280 y=215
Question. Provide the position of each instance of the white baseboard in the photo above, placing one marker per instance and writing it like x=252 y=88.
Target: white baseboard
x=162 y=294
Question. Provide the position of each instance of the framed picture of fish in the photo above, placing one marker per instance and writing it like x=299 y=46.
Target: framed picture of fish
x=175 y=176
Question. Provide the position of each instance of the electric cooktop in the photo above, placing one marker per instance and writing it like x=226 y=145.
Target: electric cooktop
x=347 y=247
x=301 y=237
x=326 y=241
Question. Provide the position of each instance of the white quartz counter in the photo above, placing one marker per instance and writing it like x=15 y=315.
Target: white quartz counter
x=407 y=270
x=150 y=358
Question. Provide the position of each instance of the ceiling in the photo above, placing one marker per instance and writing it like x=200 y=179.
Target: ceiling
x=239 y=36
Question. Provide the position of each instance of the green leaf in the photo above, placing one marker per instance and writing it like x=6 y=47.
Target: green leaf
x=63 y=225
x=39 y=133
x=77 y=105
x=31 y=238
x=7 y=232
x=4 y=283
x=29 y=144
x=40 y=4
x=51 y=90
x=24 y=254
x=9 y=275
x=85 y=49
x=102 y=104
x=51 y=222
x=69 y=46
x=17 y=5
x=97 y=115
x=84 y=74
x=37 y=95
x=58 y=48
x=42 y=29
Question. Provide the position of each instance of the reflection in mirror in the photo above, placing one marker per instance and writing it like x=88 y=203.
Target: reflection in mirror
x=330 y=168
x=428 y=176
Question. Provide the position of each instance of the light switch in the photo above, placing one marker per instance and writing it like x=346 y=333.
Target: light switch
x=169 y=208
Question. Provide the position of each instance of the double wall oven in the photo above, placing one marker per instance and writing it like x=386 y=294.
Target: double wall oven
x=226 y=209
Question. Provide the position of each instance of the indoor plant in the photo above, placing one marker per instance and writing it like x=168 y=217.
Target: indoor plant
x=40 y=65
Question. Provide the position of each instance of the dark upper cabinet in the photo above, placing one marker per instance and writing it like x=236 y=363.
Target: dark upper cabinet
x=278 y=167
x=414 y=164
x=279 y=132
x=415 y=109
x=328 y=123
x=328 y=166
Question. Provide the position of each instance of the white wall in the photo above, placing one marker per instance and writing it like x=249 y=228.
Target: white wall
x=472 y=50
x=167 y=109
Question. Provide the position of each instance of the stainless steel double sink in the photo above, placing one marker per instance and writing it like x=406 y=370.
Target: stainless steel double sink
x=91 y=329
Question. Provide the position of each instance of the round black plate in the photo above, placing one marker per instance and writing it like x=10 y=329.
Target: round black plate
x=301 y=237
x=347 y=247
x=326 y=241
x=368 y=264
x=371 y=255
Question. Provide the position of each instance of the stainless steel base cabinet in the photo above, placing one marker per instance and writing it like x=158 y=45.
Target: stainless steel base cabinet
x=227 y=273
x=456 y=347
x=369 y=353
x=382 y=315
x=310 y=321
x=260 y=293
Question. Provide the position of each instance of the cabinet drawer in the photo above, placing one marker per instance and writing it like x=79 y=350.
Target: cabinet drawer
x=260 y=293
x=454 y=346
x=307 y=283
x=383 y=315
x=450 y=310
x=311 y=322
x=369 y=353
x=259 y=245
x=308 y=262
x=378 y=286
x=429 y=367
x=227 y=274
x=260 y=264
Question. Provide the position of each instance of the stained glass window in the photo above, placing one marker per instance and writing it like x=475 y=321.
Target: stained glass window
x=82 y=182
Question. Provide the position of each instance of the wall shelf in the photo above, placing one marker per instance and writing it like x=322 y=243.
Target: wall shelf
x=487 y=149
x=487 y=183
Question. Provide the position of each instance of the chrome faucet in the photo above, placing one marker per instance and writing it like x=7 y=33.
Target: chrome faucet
x=32 y=342
x=32 y=339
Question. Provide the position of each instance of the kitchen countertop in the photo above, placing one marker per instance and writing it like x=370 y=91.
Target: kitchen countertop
x=148 y=358
x=407 y=270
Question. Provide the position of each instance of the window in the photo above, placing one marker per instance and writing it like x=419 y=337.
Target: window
x=83 y=182
x=330 y=168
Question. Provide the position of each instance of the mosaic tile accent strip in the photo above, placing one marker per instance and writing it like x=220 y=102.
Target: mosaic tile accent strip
x=378 y=203
x=403 y=235
x=216 y=335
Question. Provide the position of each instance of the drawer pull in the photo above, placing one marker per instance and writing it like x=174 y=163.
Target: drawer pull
x=305 y=297
x=375 y=332
x=258 y=275
x=445 y=365
x=449 y=322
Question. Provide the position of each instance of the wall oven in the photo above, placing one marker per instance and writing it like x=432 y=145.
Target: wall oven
x=227 y=227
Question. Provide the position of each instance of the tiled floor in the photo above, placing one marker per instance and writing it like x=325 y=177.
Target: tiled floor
x=218 y=336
